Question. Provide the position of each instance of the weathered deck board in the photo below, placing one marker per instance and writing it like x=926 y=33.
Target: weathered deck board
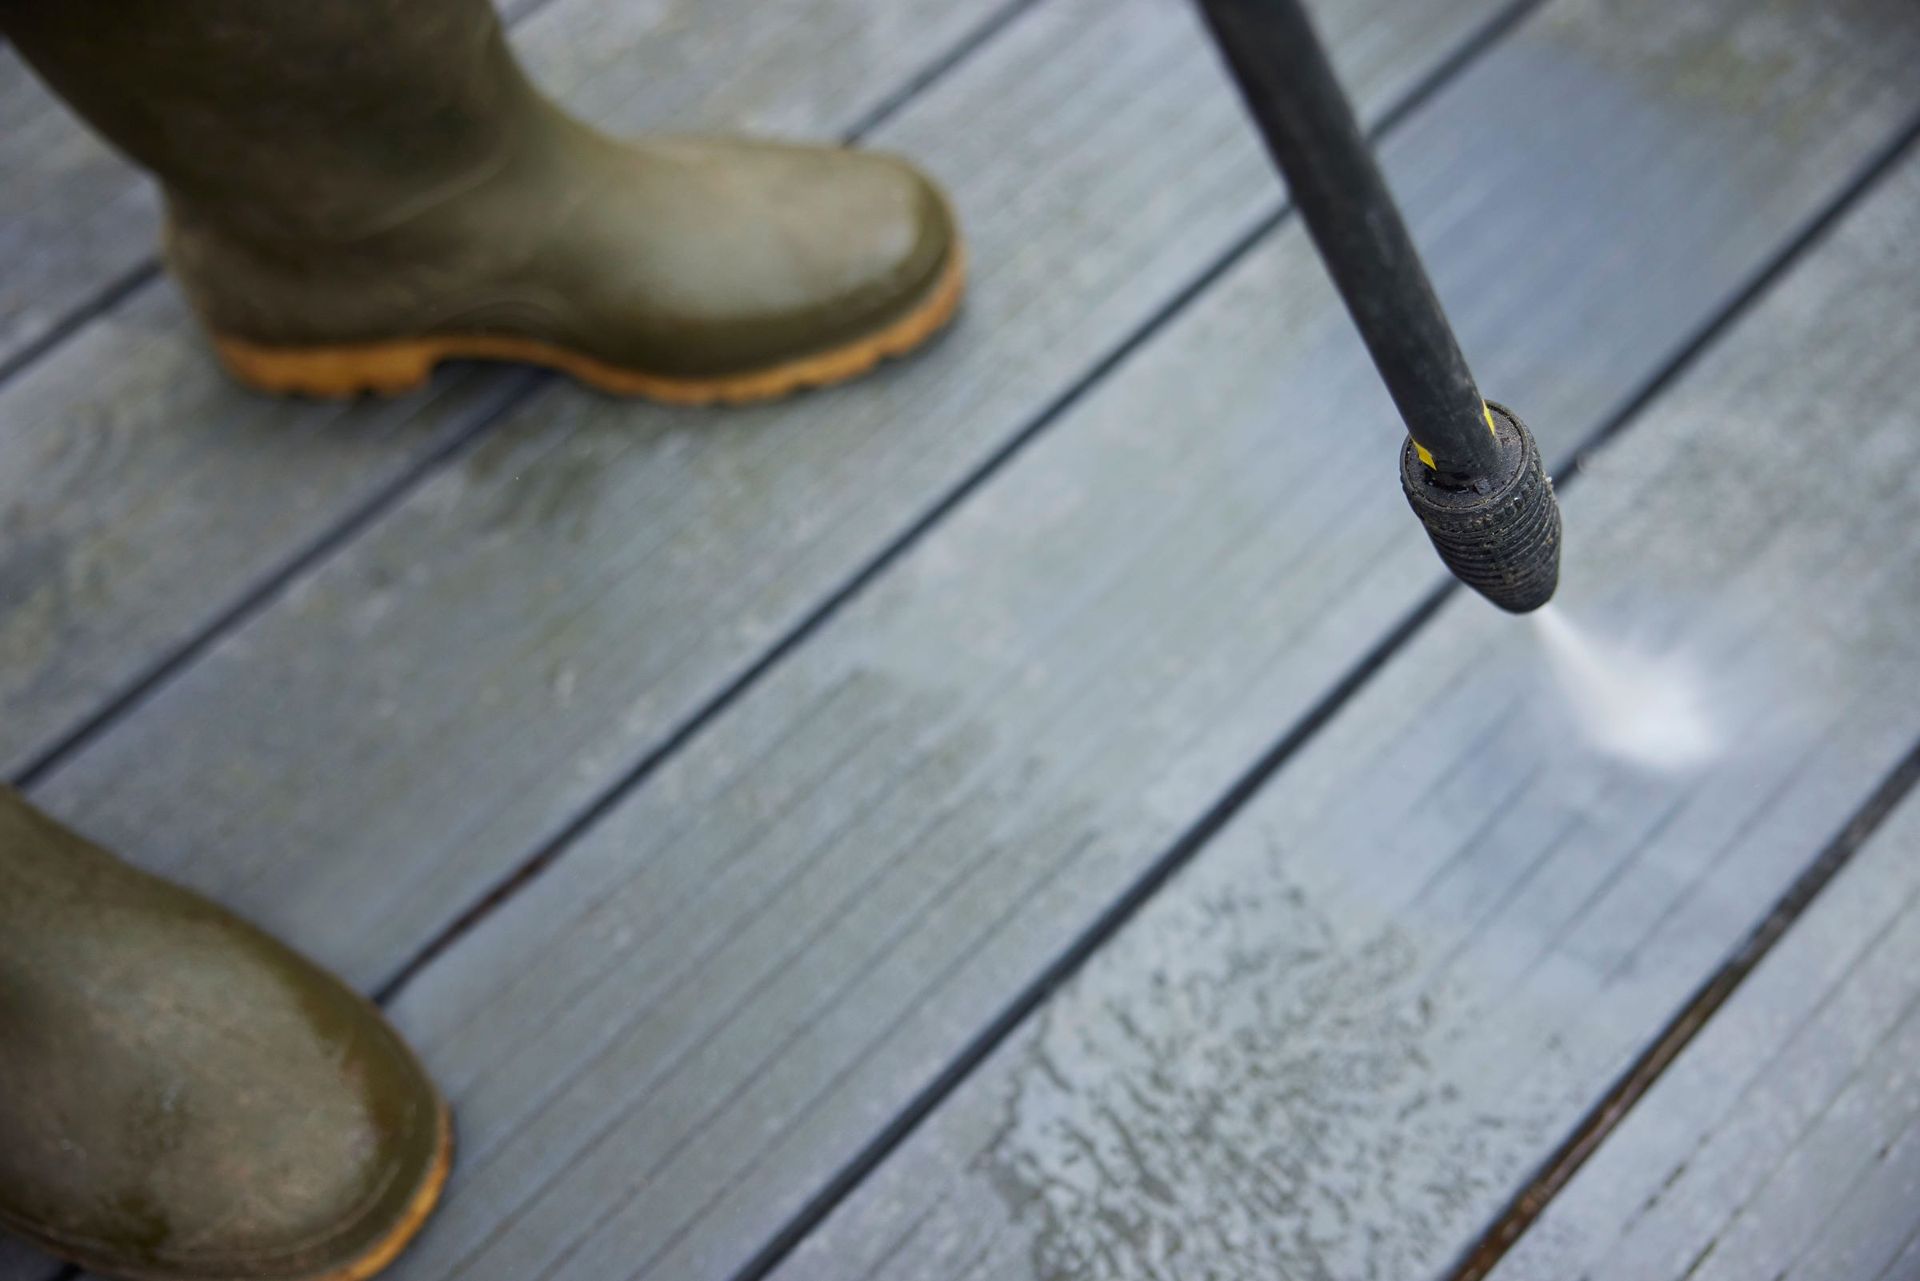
x=74 y=217
x=1336 y=1043
x=360 y=762
x=1772 y=1144
x=142 y=495
x=666 y=1043
x=18 y=1261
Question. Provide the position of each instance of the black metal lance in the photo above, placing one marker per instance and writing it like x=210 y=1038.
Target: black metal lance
x=1470 y=469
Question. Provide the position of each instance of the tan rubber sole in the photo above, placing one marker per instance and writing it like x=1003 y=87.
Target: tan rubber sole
x=372 y=1262
x=392 y=368
x=418 y=1211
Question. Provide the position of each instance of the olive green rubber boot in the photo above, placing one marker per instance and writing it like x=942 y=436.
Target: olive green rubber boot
x=183 y=1097
x=358 y=189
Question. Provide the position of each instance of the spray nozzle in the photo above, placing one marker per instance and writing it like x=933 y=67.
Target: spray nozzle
x=1499 y=534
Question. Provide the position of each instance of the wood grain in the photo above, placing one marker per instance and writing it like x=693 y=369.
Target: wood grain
x=665 y=1044
x=1337 y=1042
x=143 y=497
x=408 y=722
x=736 y=980
x=74 y=217
x=1783 y=1141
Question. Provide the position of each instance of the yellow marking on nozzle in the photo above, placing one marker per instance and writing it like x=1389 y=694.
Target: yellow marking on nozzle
x=1426 y=455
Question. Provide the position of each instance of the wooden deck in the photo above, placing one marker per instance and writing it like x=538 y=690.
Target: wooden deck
x=999 y=819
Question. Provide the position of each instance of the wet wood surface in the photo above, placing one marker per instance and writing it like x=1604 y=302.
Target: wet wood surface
x=144 y=499
x=1341 y=1040
x=767 y=948
x=1785 y=1141
x=455 y=686
x=404 y=648
x=74 y=218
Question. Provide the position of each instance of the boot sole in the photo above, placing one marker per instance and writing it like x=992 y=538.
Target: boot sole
x=425 y=1201
x=368 y=1264
x=404 y=365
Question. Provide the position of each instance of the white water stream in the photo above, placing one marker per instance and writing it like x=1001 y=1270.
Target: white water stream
x=1642 y=708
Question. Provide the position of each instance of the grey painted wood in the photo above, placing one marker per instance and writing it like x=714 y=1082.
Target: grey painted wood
x=1781 y=1143
x=17 y=1261
x=74 y=217
x=145 y=493
x=661 y=1047
x=406 y=724
x=141 y=495
x=877 y=712
x=1335 y=1044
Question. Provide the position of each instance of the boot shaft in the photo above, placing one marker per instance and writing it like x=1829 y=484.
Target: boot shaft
x=287 y=119
x=358 y=189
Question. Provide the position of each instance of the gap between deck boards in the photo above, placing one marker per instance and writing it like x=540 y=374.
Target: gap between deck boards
x=1446 y=66
x=1023 y=428
x=1730 y=390
x=1610 y=1111
x=1613 y=1109
x=513 y=385
x=518 y=384
x=1617 y=1104
x=875 y=566
x=1817 y=199
x=1785 y=1140
x=945 y=503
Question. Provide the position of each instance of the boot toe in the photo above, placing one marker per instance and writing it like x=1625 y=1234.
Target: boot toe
x=773 y=254
x=883 y=243
x=187 y=1098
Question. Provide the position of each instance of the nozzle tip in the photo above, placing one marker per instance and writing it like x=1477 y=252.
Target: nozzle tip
x=1500 y=535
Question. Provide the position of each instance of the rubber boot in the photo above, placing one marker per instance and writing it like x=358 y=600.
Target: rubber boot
x=358 y=189
x=183 y=1097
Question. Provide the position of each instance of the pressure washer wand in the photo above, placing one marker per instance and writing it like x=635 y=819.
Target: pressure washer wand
x=1470 y=469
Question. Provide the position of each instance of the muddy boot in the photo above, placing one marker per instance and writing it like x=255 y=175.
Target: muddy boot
x=357 y=189
x=181 y=1096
